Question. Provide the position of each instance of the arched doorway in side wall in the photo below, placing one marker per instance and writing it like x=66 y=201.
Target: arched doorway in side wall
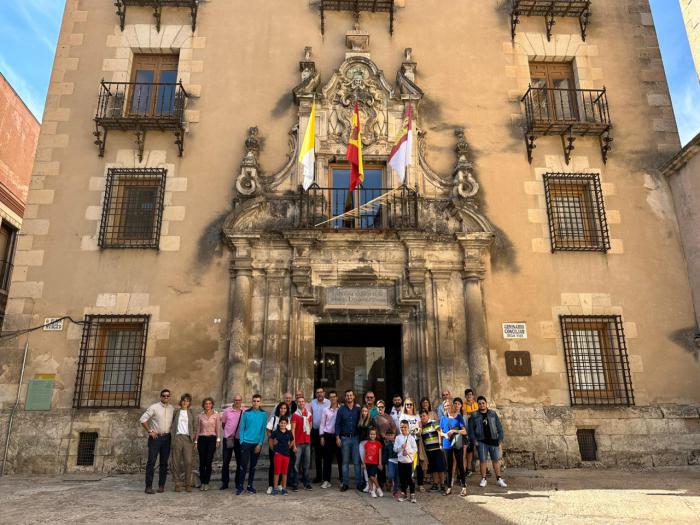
x=360 y=357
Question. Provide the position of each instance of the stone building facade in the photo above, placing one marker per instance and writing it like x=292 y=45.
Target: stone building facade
x=533 y=253
x=19 y=133
x=691 y=17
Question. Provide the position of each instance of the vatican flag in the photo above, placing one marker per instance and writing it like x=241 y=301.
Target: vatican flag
x=307 y=154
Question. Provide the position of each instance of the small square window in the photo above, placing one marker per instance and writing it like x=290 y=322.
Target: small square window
x=576 y=212
x=111 y=361
x=596 y=360
x=133 y=208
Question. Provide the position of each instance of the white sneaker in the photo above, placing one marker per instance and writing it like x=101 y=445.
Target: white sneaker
x=380 y=493
x=269 y=490
x=482 y=483
x=501 y=483
x=366 y=489
x=463 y=492
x=325 y=485
x=373 y=493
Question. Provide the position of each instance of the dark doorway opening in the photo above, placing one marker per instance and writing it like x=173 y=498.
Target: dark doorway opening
x=361 y=357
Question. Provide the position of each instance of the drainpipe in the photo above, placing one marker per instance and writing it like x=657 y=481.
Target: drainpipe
x=14 y=408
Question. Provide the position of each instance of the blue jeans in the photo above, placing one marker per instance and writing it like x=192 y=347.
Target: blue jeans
x=392 y=471
x=488 y=450
x=302 y=462
x=350 y=448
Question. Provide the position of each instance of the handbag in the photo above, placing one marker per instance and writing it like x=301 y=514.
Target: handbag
x=457 y=442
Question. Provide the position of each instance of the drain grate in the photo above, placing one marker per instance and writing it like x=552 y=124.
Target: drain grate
x=86 y=449
x=586 y=444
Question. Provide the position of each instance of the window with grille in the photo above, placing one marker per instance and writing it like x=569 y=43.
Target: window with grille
x=86 y=449
x=111 y=360
x=576 y=212
x=596 y=360
x=133 y=208
x=587 y=446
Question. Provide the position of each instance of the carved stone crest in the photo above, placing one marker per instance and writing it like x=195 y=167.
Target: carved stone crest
x=247 y=183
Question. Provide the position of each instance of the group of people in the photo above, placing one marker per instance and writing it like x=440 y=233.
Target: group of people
x=394 y=449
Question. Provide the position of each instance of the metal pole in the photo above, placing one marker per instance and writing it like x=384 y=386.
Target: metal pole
x=14 y=408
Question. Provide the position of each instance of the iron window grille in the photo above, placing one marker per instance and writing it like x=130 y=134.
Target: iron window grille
x=586 y=444
x=86 y=449
x=132 y=212
x=596 y=360
x=576 y=212
x=111 y=361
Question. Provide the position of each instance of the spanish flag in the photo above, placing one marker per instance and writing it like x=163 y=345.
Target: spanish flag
x=307 y=154
x=354 y=154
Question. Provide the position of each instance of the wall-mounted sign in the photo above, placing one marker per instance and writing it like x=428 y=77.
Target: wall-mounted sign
x=518 y=364
x=514 y=331
x=39 y=394
x=53 y=324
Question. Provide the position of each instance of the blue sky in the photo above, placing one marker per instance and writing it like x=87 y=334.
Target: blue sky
x=29 y=30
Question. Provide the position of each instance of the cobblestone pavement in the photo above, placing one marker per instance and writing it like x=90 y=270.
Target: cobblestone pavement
x=552 y=496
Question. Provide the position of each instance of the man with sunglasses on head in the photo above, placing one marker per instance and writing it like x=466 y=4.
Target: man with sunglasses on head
x=157 y=420
x=446 y=396
x=369 y=401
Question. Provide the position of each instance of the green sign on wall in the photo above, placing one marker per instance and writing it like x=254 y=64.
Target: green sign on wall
x=39 y=394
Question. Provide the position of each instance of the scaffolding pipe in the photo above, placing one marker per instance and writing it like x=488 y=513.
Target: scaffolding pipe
x=14 y=408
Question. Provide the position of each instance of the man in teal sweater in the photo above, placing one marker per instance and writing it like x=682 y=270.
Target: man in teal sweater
x=252 y=431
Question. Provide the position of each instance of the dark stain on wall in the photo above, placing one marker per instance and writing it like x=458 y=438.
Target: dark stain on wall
x=210 y=242
x=685 y=338
x=285 y=102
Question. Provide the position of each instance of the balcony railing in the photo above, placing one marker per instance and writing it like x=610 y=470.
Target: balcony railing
x=140 y=107
x=569 y=113
x=157 y=5
x=368 y=209
x=5 y=275
x=356 y=7
x=550 y=9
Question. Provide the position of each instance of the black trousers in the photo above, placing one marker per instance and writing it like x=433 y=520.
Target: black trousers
x=158 y=447
x=454 y=456
x=228 y=453
x=406 y=477
x=249 y=460
x=317 y=452
x=420 y=475
x=331 y=453
x=206 y=446
x=271 y=469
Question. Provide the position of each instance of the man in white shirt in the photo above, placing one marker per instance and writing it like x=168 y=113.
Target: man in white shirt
x=156 y=420
x=318 y=405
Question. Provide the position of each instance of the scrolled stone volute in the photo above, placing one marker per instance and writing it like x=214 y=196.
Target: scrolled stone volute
x=464 y=184
x=247 y=183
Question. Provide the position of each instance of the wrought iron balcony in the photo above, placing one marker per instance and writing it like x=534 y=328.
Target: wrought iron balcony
x=368 y=209
x=157 y=5
x=550 y=9
x=568 y=113
x=5 y=275
x=356 y=7
x=140 y=107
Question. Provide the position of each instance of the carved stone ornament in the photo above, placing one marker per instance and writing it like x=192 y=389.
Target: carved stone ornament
x=247 y=183
x=310 y=77
x=464 y=183
x=406 y=77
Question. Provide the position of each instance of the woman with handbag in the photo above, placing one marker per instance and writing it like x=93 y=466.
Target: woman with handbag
x=454 y=431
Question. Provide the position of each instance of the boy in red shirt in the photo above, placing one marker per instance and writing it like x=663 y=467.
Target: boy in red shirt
x=373 y=462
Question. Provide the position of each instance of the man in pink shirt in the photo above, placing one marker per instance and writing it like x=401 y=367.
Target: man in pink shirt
x=231 y=421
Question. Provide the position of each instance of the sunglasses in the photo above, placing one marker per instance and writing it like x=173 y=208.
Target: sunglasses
x=165 y=395
x=409 y=404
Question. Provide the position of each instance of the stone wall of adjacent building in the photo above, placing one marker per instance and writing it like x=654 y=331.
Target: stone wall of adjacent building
x=691 y=17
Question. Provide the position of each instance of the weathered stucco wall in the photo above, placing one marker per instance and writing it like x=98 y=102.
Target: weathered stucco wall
x=473 y=77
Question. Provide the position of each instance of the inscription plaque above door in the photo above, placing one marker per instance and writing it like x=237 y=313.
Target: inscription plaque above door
x=357 y=297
